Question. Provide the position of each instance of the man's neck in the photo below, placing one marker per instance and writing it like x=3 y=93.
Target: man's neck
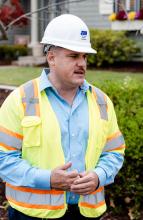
x=66 y=92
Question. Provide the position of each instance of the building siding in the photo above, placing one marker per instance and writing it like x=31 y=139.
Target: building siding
x=89 y=12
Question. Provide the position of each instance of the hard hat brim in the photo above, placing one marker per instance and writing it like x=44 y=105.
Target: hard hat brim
x=73 y=48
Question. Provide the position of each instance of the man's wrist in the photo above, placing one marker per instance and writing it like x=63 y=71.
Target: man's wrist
x=101 y=176
x=42 y=179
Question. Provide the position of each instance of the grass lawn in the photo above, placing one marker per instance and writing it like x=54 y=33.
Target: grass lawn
x=11 y=75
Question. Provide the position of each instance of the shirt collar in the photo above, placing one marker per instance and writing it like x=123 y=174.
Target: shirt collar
x=43 y=80
x=45 y=83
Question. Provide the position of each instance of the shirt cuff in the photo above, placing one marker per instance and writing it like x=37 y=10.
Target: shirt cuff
x=42 y=179
x=101 y=175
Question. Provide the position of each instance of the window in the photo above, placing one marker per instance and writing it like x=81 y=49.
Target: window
x=128 y=5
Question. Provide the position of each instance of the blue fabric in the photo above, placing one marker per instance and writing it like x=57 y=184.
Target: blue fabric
x=74 y=142
x=74 y=138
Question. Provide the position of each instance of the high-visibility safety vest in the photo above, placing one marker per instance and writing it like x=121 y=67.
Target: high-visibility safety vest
x=34 y=129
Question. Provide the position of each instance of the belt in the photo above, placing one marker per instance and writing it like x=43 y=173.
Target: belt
x=73 y=208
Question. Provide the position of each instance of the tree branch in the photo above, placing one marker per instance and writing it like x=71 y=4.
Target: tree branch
x=3 y=35
x=41 y=9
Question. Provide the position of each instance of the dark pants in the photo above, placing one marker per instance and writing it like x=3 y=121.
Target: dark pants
x=72 y=214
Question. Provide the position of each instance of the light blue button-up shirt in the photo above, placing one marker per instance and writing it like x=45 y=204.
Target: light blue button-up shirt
x=74 y=124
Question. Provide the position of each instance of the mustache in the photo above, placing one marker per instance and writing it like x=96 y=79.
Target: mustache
x=81 y=69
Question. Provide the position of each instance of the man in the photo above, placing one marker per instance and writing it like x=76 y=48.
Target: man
x=60 y=142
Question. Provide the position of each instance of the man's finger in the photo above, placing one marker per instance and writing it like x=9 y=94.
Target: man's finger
x=73 y=174
x=82 y=191
x=65 y=166
x=84 y=179
x=80 y=186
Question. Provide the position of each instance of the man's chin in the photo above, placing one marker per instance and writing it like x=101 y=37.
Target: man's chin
x=79 y=82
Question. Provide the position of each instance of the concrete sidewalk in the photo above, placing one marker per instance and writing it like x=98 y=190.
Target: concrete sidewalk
x=7 y=87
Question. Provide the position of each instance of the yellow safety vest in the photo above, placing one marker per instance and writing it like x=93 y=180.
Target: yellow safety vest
x=39 y=138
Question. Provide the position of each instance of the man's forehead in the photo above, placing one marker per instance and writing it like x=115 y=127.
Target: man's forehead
x=67 y=51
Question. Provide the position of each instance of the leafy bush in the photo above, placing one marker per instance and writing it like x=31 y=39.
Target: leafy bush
x=125 y=196
x=12 y=52
x=112 y=47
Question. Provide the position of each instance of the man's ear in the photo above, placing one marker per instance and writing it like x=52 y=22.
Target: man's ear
x=51 y=58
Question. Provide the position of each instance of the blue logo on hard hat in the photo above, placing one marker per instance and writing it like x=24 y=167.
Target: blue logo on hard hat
x=83 y=35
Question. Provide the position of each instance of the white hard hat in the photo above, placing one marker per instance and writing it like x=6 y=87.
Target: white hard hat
x=70 y=32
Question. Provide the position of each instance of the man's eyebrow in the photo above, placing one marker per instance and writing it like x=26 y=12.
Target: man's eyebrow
x=76 y=53
x=73 y=53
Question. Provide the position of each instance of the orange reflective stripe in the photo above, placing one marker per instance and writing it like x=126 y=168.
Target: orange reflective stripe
x=98 y=190
x=23 y=95
x=36 y=96
x=105 y=98
x=35 y=88
x=30 y=98
x=95 y=96
x=94 y=93
x=50 y=207
x=11 y=133
x=7 y=147
x=36 y=191
x=85 y=204
x=37 y=109
x=118 y=148
x=114 y=136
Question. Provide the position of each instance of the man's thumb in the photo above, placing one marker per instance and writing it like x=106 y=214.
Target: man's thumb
x=65 y=166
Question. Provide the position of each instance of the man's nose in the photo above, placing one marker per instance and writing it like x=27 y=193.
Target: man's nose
x=82 y=61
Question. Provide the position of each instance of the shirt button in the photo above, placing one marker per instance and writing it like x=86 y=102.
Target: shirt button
x=72 y=134
x=73 y=197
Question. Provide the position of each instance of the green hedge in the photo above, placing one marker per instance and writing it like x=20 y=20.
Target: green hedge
x=12 y=52
x=112 y=47
x=126 y=194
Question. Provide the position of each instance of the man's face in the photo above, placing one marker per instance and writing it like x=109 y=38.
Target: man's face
x=69 y=67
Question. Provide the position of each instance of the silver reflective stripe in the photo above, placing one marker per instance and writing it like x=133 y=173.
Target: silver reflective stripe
x=94 y=199
x=10 y=141
x=32 y=100
x=29 y=98
x=102 y=103
x=30 y=106
x=114 y=143
x=29 y=90
x=34 y=198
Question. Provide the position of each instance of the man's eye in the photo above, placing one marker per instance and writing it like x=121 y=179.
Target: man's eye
x=74 y=56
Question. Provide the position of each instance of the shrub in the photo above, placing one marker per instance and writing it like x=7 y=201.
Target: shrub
x=12 y=52
x=126 y=194
x=112 y=47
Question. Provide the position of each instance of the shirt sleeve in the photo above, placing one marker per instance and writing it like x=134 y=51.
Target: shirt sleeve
x=14 y=169
x=108 y=167
x=112 y=157
x=19 y=172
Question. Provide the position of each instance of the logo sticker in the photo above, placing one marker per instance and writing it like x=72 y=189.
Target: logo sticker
x=83 y=35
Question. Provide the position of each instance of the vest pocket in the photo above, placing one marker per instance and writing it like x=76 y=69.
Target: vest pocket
x=31 y=131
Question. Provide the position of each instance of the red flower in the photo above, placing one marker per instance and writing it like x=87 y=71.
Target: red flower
x=5 y=14
x=139 y=14
x=12 y=11
x=121 y=15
